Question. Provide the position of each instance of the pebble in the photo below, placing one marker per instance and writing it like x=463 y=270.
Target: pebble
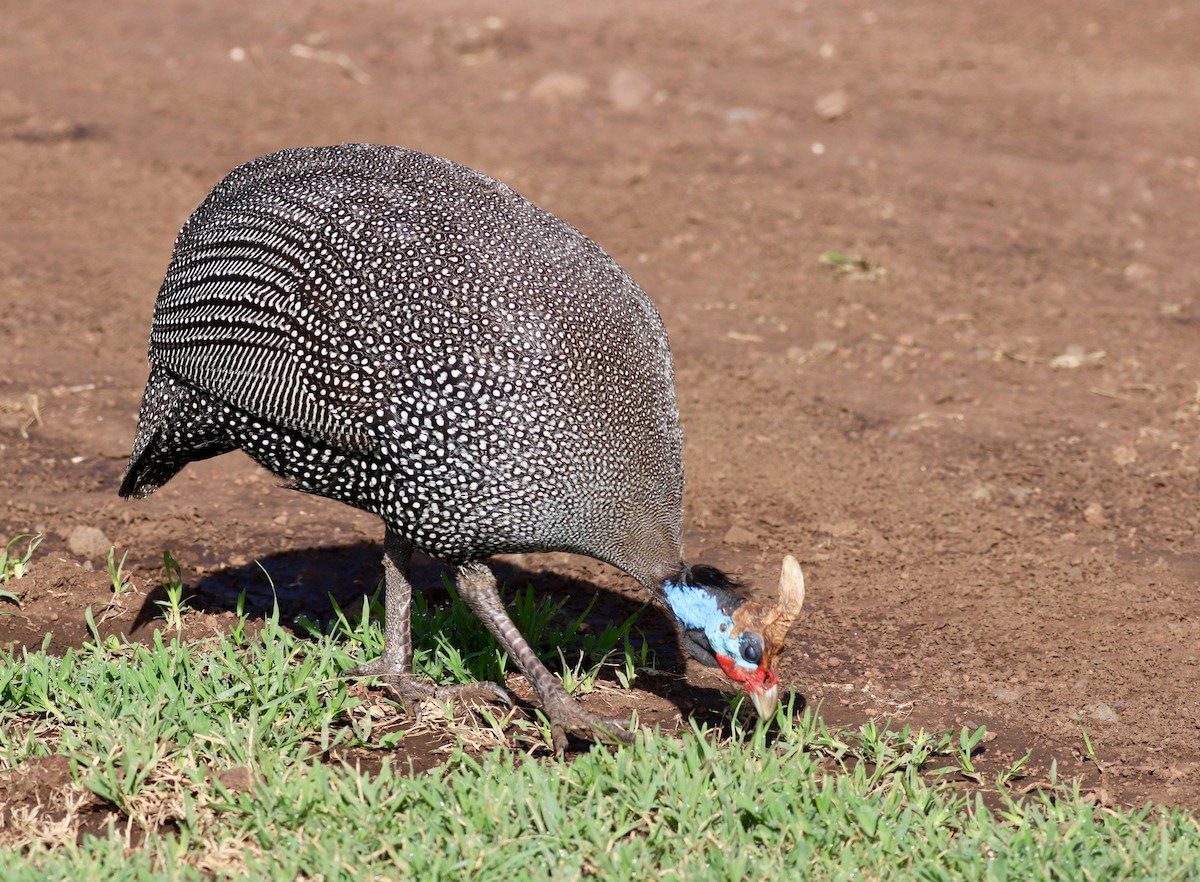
x=89 y=543
x=736 y=535
x=558 y=86
x=1076 y=357
x=1003 y=694
x=628 y=90
x=1124 y=455
x=832 y=105
x=1100 y=711
x=1140 y=273
x=735 y=115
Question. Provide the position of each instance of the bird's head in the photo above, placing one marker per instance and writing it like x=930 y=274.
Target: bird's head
x=743 y=638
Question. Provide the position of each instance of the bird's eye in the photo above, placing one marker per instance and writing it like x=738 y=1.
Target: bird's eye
x=752 y=649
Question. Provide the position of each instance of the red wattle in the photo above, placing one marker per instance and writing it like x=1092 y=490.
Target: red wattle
x=755 y=680
x=732 y=671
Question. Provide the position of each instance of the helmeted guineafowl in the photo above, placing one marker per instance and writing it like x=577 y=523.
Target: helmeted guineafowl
x=411 y=337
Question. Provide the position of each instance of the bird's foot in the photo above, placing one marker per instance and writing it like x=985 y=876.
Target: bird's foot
x=410 y=691
x=381 y=667
x=567 y=715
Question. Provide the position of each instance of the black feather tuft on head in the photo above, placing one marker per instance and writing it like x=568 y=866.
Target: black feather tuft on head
x=720 y=584
x=704 y=576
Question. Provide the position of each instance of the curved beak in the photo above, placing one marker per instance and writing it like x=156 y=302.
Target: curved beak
x=766 y=701
x=766 y=695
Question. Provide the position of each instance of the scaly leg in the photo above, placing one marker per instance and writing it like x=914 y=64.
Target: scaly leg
x=477 y=586
x=395 y=665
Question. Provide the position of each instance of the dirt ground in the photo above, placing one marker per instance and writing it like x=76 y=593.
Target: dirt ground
x=979 y=436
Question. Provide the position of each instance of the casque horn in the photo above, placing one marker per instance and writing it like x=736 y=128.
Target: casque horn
x=779 y=619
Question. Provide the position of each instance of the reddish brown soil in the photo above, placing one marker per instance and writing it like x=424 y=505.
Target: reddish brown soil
x=982 y=447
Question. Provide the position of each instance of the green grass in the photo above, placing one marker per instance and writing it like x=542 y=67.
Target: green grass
x=14 y=565
x=249 y=756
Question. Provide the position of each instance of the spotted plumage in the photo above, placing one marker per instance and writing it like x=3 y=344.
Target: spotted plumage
x=411 y=337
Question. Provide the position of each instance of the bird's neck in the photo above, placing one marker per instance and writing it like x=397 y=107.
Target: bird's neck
x=695 y=606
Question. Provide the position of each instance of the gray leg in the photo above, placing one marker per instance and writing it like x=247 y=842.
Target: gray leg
x=477 y=586
x=397 y=608
x=395 y=665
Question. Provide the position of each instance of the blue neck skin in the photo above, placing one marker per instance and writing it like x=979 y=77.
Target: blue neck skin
x=697 y=608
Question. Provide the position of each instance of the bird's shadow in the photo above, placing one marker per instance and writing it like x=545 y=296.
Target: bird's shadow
x=314 y=584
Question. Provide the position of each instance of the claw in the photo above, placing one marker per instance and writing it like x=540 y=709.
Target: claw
x=408 y=690
x=567 y=715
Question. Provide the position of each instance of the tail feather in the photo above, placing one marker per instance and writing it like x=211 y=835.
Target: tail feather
x=169 y=436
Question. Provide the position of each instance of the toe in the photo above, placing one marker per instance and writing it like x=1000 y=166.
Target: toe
x=382 y=666
x=486 y=692
x=568 y=715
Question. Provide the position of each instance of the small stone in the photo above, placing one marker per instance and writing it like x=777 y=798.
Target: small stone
x=1124 y=456
x=1140 y=273
x=735 y=115
x=1101 y=712
x=558 y=86
x=736 y=535
x=90 y=543
x=1094 y=514
x=832 y=105
x=628 y=90
x=1076 y=357
x=1003 y=694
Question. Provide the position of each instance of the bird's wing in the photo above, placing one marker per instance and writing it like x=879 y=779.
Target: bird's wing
x=262 y=305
